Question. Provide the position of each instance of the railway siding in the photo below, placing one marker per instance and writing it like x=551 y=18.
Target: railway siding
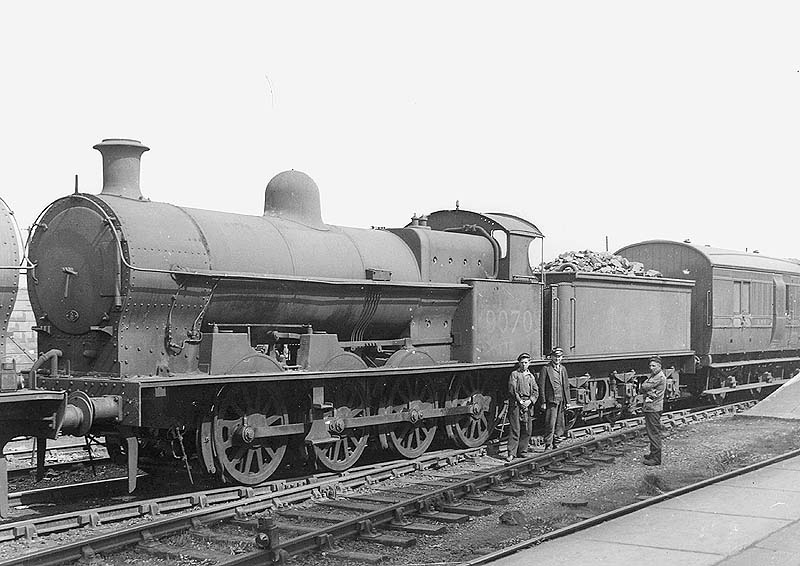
x=441 y=497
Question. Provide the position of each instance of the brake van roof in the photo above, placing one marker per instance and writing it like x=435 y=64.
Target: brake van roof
x=720 y=257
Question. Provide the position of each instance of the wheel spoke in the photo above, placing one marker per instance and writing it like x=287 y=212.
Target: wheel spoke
x=274 y=420
x=408 y=395
x=235 y=455
x=252 y=463
x=471 y=430
x=248 y=463
x=349 y=401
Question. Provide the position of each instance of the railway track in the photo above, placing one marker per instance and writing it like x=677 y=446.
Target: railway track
x=649 y=502
x=59 y=456
x=387 y=504
x=23 y=448
x=16 y=474
x=78 y=491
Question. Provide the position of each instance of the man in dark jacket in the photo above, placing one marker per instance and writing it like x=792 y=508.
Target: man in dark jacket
x=653 y=390
x=554 y=390
x=522 y=395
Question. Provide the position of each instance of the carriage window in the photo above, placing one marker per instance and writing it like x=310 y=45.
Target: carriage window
x=792 y=295
x=745 y=298
x=741 y=297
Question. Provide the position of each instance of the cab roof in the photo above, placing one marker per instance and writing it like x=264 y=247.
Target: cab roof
x=509 y=223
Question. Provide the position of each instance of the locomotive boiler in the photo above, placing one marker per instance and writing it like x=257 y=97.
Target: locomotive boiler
x=232 y=337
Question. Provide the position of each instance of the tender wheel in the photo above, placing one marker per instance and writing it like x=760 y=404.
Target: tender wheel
x=238 y=408
x=349 y=400
x=410 y=439
x=472 y=429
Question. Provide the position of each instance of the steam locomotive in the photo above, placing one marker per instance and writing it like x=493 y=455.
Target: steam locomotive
x=232 y=341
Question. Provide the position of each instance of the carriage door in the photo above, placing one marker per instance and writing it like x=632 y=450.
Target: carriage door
x=793 y=314
x=779 y=314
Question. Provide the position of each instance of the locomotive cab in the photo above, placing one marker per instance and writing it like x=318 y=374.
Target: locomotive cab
x=501 y=314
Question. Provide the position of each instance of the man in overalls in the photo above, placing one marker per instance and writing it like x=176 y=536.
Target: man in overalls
x=523 y=392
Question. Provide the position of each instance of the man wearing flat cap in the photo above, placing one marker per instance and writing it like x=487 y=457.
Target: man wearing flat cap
x=653 y=390
x=554 y=385
x=523 y=393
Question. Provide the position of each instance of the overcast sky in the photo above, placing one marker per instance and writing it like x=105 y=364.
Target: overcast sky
x=631 y=120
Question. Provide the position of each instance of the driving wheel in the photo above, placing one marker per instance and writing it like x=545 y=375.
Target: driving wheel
x=473 y=428
x=414 y=397
x=349 y=400
x=238 y=410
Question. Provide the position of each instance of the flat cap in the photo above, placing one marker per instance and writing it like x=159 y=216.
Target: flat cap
x=557 y=350
x=656 y=359
x=523 y=356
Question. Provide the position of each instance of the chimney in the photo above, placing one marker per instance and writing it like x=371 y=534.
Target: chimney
x=121 y=164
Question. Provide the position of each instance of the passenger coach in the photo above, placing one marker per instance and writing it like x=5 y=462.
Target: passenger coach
x=745 y=319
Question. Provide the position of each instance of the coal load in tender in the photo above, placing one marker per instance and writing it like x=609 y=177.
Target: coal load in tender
x=598 y=262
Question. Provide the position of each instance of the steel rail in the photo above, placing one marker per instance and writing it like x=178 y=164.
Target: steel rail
x=58 y=523
x=17 y=472
x=269 y=497
x=235 y=495
x=158 y=528
x=322 y=538
x=278 y=551
x=616 y=513
x=25 y=446
x=96 y=488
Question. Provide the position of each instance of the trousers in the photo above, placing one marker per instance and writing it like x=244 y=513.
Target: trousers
x=652 y=423
x=520 y=425
x=553 y=422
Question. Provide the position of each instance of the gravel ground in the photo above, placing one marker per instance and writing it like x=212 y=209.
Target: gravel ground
x=691 y=453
